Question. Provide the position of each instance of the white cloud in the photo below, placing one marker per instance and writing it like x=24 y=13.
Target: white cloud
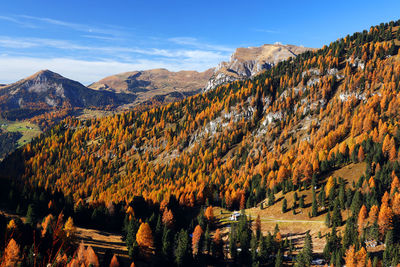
x=18 y=21
x=265 y=30
x=196 y=43
x=21 y=43
x=25 y=20
x=87 y=60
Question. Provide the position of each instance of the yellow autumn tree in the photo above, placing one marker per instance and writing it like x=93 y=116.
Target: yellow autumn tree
x=144 y=236
x=11 y=254
x=69 y=228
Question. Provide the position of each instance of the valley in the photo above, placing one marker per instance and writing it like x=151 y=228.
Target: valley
x=288 y=165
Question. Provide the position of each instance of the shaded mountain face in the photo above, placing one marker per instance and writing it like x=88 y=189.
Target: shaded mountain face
x=157 y=84
x=247 y=62
x=47 y=90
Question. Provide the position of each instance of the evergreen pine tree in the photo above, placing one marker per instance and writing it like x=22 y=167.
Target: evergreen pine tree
x=279 y=259
x=207 y=240
x=336 y=215
x=166 y=248
x=328 y=219
x=31 y=216
x=314 y=208
x=253 y=246
x=284 y=205
x=182 y=249
x=232 y=244
x=271 y=199
x=301 y=202
x=304 y=257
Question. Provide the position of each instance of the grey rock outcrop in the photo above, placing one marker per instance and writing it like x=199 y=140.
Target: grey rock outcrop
x=247 y=62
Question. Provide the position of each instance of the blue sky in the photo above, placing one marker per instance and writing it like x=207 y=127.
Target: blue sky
x=87 y=40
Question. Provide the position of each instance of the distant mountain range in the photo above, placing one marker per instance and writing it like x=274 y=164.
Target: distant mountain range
x=48 y=90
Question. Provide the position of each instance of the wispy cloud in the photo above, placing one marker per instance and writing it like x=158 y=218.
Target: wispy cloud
x=41 y=22
x=265 y=31
x=93 y=52
x=194 y=42
x=17 y=21
x=99 y=37
x=8 y=42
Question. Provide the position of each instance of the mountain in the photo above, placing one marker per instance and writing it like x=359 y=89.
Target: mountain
x=250 y=61
x=297 y=114
x=306 y=149
x=156 y=84
x=47 y=90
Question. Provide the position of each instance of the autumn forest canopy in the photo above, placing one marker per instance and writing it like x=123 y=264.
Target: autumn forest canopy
x=158 y=174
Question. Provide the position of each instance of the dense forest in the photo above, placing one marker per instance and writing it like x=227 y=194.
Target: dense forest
x=156 y=173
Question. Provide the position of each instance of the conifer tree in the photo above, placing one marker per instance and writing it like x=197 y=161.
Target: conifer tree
x=197 y=240
x=144 y=236
x=31 y=216
x=11 y=254
x=284 y=205
x=336 y=215
x=182 y=249
x=314 y=205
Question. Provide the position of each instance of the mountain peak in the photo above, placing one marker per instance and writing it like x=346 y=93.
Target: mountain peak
x=246 y=62
x=45 y=74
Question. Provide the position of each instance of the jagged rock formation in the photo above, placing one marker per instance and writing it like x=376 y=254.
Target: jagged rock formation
x=158 y=84
x=247 y=62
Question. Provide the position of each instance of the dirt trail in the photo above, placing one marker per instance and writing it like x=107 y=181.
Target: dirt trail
x=267 y=219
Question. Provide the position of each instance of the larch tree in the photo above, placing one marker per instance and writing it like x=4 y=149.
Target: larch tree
x=350 y=257
x=69 y=228
x=385 y=219
x=144 y=236
x=114 y=261
x=361 y=154
x=209 y=214
x=11 y=254
x=395 y=185
x=329 y=185
x=373 y=214
x=91 y=257
x=197 y=240
x=361 y=218
x=168 y=218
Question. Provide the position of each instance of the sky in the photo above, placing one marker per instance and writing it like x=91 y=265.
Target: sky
x=88 y=40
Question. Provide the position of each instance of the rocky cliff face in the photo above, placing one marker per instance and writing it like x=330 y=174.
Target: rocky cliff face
x=247 y=62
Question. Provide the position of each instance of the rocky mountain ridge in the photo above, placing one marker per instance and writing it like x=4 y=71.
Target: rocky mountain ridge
x=247 y=62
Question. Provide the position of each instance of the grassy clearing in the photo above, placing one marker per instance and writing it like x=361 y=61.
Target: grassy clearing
x=294 y=225
x=87 y=114
x=26 y=128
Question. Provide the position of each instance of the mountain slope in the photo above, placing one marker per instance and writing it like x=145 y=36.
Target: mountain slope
x=321 y=131
x=292 y=118
x=47 y=90
x=159 y=84
x=247 y=62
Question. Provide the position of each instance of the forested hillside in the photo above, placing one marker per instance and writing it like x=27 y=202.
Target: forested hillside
x=285 y=130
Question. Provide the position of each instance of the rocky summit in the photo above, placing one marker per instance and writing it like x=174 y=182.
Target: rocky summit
x=247 y=62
